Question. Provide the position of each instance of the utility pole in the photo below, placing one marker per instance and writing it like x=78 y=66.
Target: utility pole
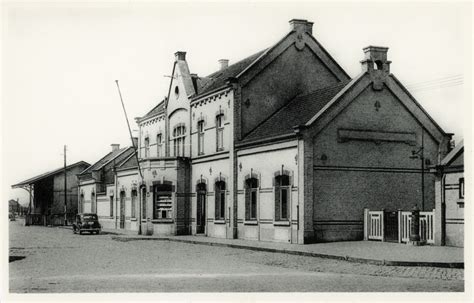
x=135 y=149
x=65 y=187
x=420 y=154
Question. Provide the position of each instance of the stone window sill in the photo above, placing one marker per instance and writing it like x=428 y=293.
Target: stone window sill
x=219 y=221
x=162 y=221
x=251 y=222
x=281 y=223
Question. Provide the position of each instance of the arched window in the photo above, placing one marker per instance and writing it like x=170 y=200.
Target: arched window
x=200 y=131
x=93 y=203
x=134 y=203
x=219 y=189
x=158 y=144
x=282 y=197
x=147 y=147
x=220 y=132
x=143 y=197
x=251 y=198
x=111 y=201
x=81 y=203
x=179 y=136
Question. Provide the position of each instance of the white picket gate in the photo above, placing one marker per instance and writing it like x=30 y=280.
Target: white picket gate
x=374 y=226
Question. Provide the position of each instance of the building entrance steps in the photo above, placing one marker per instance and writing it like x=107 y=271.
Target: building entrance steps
x=372 y=252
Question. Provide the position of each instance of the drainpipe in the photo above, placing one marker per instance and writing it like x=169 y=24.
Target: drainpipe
x=115 y=197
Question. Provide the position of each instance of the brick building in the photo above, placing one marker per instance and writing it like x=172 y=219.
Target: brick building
x=283 y=146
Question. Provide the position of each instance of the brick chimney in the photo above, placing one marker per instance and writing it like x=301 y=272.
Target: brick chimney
x=376 y=64
x=223 y=64
x=115 y=147
x=301 y=25
x=180 y=56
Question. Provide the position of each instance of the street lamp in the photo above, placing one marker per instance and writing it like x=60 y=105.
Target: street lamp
x=419 y=154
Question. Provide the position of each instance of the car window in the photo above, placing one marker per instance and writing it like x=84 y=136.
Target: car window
x=90 y=217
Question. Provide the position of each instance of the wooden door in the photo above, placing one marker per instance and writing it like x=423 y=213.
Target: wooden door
x=122 y=210
x=201 y=209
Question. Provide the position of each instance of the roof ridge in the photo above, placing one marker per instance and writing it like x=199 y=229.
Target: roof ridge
x=237 y=62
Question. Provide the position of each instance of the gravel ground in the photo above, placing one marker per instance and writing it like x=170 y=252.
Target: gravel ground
x=56 y=260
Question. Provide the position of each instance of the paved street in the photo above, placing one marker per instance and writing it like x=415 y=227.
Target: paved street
x=56 y=260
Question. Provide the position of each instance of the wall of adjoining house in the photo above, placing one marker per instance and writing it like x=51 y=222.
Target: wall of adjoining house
x=454 y=210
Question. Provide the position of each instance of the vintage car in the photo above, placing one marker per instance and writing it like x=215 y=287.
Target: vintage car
x=86 y=223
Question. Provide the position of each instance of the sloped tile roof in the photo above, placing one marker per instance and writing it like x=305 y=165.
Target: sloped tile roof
x=296 y=112
x=158 y=109
x=219 y=78
x=129 y=162
x=48 y=174
x=106 y=159
x=453 y=153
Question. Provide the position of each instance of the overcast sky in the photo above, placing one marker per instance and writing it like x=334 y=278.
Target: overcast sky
x=60 y=62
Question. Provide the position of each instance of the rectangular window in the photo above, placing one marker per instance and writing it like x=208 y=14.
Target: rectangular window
x=219 y=189
x=284 y=203
x=222 y=207
x=282 y=197
x=111 y=206
x=200 y=137
x=220 y=132
x=461 y=188
x=158 y=145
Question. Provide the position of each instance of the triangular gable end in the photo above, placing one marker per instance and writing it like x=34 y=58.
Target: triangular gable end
x=301 y=37
x=357 y=86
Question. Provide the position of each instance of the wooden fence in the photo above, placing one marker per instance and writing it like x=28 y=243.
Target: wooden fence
x=375 y=226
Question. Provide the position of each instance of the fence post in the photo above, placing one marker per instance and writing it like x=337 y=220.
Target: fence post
x=382 y=224
x=400 y=226
x=366 y=224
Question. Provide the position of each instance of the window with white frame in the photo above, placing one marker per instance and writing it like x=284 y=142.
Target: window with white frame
x=219 y=190
x=179 y=136
x=251 y=198
x=147 y=147
x=200 y=132
x=220 y=132
x=158 y=144
x=163 y=203
x=282 y=197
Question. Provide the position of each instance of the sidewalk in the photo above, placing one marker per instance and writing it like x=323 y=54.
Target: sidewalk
x=381 y=253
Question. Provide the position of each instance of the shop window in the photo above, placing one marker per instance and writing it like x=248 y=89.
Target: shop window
x=219 y=189
x=163 y=203
x=282 y=197
x=200 y=129
x=251 y=198
x=220 y=132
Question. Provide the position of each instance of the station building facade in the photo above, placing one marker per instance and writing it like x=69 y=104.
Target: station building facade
x=282 y=146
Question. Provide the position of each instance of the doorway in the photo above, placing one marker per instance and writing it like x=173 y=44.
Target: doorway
x=201 y=209
x=122 y=210
x=391 y=226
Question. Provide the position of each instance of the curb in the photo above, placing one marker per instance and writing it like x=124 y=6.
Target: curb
x=300 y=253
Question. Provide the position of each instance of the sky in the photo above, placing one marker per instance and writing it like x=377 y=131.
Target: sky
x=60 y=62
